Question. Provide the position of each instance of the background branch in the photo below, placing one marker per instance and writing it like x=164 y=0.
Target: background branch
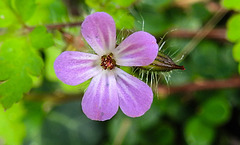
x=59 y=97
x=59 y=26
x=217 y=34
x=56 y=98
x=201 y=86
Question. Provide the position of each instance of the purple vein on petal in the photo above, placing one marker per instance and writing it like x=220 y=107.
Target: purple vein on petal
x=73 y=67
x=100 y=101
x=138 y=49
x=135 y=97
x=99 y=31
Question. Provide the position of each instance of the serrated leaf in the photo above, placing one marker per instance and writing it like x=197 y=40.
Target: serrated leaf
x=40 y=38
x=25 y=8
x=231 y=4
x=233 y=31
x=198 y=133
x=236 y=51
x=18 y=63
x=12 y=130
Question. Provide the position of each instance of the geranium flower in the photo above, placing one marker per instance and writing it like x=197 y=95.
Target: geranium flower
x=110 y=86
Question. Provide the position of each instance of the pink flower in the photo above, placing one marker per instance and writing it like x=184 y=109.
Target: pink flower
x=110 y=86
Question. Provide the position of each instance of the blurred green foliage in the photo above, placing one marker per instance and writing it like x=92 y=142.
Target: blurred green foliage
x=117 y=9
x=40 y=33
x=215 y=111
x=12 y=130
x=233 y=24
x=51 y=113
x=198 y=133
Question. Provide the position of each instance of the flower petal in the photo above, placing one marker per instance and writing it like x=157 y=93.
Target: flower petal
x=138 y=49
x=135 y=97
x=99 y=31
x=100 y=101
x=73 y=67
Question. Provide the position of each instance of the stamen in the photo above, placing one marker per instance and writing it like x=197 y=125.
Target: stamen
x=107 y=62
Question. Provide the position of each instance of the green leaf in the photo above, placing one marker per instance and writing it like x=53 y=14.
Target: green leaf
x=216 y=110
x=236 y=51
x=233 y=31
x=123 y=19
x=40 y=38
x=6 y=15
x=25 y=8
x=12 y=130
x=51 y=54
x=40 y=16
x=231 y=4
x=124 y=3
x=44 y=1
x=198 y=133
x=58 y=12
x=51 y=11
x=94 y=3
x=18 y=63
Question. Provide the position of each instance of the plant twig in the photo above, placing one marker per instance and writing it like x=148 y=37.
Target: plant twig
x=200 y=86
x=56 y=97
x=59 y=26
x=217 y=34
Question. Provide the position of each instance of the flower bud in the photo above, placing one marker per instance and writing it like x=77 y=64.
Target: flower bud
x=162 y=63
